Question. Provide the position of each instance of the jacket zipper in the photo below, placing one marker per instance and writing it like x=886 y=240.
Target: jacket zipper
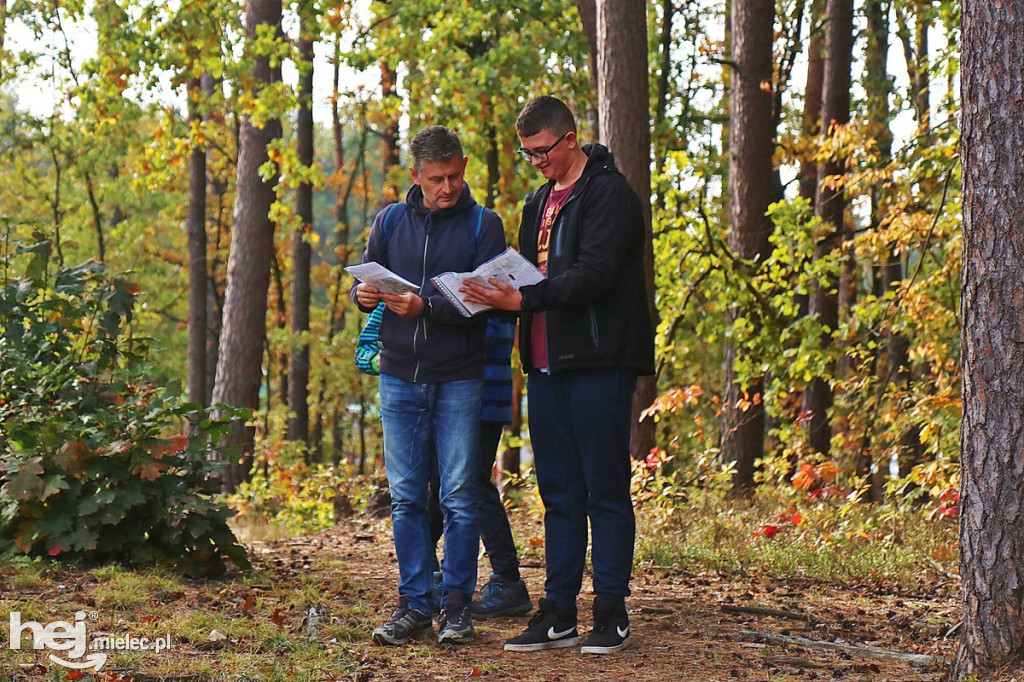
x=558 y=252
x=420 y=322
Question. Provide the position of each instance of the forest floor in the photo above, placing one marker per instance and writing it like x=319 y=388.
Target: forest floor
x=687 y=625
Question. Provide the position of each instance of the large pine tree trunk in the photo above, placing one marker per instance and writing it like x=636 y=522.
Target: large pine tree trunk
x=197 y=275
x=239 y=366
x=992 y=307
x=298 y=367
x=623 y=100
x=830 y=206
x=751 y=143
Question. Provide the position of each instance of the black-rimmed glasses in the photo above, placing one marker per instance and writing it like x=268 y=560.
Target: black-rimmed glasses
x=540 y=155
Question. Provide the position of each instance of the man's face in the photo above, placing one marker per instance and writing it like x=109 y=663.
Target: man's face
x=549 y=152
x=441 y=182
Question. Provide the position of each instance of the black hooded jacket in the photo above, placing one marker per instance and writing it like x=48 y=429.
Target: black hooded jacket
x=441 y=344
x=594 y=295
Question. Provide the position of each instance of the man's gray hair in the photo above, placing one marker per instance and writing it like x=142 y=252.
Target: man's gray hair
x=435 y=144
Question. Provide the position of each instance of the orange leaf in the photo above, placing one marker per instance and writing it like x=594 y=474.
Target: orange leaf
x=75 y=674
x=476 y=672
x=250 y=605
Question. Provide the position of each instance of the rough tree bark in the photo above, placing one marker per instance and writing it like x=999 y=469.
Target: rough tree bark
x=623 y=101
x=298 y=366
x=252 y=248
x=992 y=339
x=751 y=143
x=830 y=206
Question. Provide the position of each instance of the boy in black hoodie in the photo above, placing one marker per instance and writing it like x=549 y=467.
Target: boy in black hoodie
x=585 y=336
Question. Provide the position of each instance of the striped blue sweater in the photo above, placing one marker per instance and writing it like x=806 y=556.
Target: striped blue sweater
x=498 y=371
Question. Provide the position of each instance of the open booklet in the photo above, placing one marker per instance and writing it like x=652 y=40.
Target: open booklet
x=509 y=267
x=381 y=278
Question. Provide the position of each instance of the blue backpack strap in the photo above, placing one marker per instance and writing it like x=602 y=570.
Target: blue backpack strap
x=474 y=235
x=391 y=218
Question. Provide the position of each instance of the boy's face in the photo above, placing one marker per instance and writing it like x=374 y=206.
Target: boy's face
x=550 y=153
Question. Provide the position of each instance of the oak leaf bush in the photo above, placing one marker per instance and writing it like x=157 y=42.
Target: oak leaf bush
x=94 y=463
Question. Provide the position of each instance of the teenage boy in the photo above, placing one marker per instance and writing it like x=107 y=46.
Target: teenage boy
x=585 y=336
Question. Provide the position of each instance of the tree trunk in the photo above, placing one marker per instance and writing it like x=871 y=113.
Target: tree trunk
x=831 y=207
x=878 y=87
x=625 y=129
x=298 y=369
x=391 y=157
x=196 y=229
x=992 y=308
x=812 y=97
x=239 y=366
x=751 y=143
x=587 y=10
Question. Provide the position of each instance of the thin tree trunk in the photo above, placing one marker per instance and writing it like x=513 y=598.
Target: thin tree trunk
x=831 y=207
x=196 y=230
x=751 y=143
x=97 y=218
x=587 y=10
x=992 y=309
x=298 y=370
x=625 y=128
x=252 y=249
x=812 y=97
x=391 y=157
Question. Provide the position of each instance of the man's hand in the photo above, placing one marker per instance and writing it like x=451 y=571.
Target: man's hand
x=367 y=295
x=404 y=305
x=502 y=296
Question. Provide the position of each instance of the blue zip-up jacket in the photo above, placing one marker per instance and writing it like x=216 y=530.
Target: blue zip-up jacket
x=441 y=344
x=595 y=294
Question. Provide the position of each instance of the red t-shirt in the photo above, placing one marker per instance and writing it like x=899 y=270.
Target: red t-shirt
x=538 y=332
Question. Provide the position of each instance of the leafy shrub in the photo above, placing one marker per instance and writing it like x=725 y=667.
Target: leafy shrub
x=93 y=466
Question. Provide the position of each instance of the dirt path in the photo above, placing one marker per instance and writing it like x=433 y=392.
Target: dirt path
x=687 y=626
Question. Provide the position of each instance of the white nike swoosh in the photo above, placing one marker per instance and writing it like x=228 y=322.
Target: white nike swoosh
x=622 y=633
x=552 y=634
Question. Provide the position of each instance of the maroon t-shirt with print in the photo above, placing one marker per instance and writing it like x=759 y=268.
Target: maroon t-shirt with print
x=538 y=332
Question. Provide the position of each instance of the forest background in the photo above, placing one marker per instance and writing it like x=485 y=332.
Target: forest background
x=179 y=202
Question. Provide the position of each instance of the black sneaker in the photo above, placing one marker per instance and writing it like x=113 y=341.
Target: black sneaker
x=502 y=598
x=611 y=626
x=456 y=625
x=403 y=625
x=550 y=628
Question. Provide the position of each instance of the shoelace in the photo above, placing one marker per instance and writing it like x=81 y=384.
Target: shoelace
x=490 y=591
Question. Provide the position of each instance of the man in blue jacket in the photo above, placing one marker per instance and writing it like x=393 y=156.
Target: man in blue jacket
x=585 y=336
x=431 y=381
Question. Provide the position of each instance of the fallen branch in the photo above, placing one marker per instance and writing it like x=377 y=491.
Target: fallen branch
x=856 y=649
x=757 y=610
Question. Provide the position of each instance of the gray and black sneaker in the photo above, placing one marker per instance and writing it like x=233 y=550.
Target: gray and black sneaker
x=456 y=624
x=550 y=628
x=611 y=626
x=501 y=597
x=403 y=625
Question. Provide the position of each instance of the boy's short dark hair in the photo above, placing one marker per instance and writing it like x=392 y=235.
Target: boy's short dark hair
x=434 y=143
x=545 y=113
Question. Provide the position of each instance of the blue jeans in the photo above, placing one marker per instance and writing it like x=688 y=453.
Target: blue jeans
x=579 y=427
x=415 y=417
